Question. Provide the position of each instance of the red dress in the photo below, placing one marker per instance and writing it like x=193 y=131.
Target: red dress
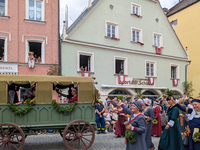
x=120 y=127
x=157 y=128
x=75 y=98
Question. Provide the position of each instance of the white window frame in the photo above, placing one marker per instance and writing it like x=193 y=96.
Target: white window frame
x=86 y=54
x=116 y=28
x=125 y=64
x=42 y=49
x=139 y=8
x=43 y=10
x=161 y=38
x=5 y=47
x=6 y=7
x=155 y=68
x=140 y=31
x=177 y=71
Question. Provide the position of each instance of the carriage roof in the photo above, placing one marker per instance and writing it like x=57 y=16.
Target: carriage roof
x=44 y=86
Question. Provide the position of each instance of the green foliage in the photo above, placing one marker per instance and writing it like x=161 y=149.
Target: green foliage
x=163 y=91
x=20 y=112
x=130 y=137
x=120 y=97
x=169 y=92
x=54 y=70
x=62 y=109
x=196 y=137
x=155 y=121
x=188 y=88
x=138 y=92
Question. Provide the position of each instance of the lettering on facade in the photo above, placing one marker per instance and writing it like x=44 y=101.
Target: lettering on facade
x=6 y=68
x=135 y=81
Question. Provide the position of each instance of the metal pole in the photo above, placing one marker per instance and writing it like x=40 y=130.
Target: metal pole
x=186 y=80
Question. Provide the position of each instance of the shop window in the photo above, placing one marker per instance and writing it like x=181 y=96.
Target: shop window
x=2 y=48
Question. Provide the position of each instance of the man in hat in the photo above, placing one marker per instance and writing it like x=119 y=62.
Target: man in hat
x=99 y=117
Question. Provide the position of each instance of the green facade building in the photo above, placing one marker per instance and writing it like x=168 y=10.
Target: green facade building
x=132 y=36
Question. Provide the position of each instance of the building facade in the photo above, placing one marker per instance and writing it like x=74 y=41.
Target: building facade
x=186 y=25
x=28 y=26
x=125 y=45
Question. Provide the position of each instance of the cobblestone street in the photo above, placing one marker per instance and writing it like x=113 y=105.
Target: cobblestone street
x=55 y=142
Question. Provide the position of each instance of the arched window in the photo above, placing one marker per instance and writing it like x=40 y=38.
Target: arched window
x=118 y=92
x=149 y=93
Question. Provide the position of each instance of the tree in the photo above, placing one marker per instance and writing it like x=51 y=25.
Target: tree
x=54 y=70
x=163 y=91
x=138 y=92
x=188 y=88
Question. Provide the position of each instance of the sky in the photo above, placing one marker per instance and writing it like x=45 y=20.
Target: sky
x=75 y=7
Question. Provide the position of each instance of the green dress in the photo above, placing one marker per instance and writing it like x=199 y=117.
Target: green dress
x=171 y=139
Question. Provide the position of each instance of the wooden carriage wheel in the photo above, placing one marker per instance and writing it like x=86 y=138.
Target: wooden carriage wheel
x=81 y=135
x=10 y=135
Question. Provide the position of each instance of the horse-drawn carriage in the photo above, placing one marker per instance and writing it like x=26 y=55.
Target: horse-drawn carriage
x=74 y=121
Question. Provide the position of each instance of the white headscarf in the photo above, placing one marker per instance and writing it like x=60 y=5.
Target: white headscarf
x=194 y=114
x=147 y=101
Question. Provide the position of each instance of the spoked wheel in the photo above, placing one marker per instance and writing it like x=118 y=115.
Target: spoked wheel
x=11 y=137
x=79 y=135
x=68 y=134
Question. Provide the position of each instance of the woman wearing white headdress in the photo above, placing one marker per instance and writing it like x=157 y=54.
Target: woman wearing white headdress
x=149 y=116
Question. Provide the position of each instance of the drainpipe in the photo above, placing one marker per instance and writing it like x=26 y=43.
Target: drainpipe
x=59 y=39
x=186 y=80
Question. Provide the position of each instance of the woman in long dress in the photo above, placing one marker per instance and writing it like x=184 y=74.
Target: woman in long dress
x=120 y=127
x=171 y=138
x=149 y=115
x=194 y=122
x=137 y=125
x=156 y=128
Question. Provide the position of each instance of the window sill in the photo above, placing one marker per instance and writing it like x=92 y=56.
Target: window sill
x=150 y=77
x=136 y=15
x=35 y=21
x=112 y=38
x=161 y=46
x=4 y=17
x=85 y=72
x=138 y=43
x=173 y=78
x=121 y=74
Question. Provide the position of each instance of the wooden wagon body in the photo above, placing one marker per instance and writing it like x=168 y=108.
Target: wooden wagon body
x=73 y=126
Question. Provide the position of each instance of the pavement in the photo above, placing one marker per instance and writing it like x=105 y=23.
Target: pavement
x=55 y=142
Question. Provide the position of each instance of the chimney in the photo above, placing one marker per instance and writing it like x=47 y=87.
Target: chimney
x=89 y=4
x=66 y=17
x=165 y=10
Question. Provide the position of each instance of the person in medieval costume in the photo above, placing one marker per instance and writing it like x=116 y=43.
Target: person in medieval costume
x=194 y=123
x=149 y=116
x=156 y=128
x=171 y=138
x=136 y=123
x=120 y=127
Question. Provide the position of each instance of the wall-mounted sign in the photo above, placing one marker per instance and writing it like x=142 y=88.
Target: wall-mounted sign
x=151 y=81
x=134 y=81
x=121 y=79
x=175 y=82
x=85 y=74
x=8 y=68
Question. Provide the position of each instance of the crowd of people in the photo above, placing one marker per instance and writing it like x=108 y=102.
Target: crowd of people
x=169 y=118
x=32 y=58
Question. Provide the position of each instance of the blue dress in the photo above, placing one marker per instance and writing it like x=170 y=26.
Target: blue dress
x=194 y=123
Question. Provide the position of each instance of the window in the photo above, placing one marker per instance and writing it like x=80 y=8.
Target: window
x=35 y=10
x=157 y=40
x=150 y=69
x=174 y=71
x=37 y=48
x=2 y=46
x=111 y=30
x=136 y=35
x=2 y=7
x=136 y=9
x=120 y=65
x=85 y=61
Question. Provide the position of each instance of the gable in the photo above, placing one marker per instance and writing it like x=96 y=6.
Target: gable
x=92 y=27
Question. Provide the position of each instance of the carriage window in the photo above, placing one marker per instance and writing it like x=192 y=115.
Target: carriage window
x=2 y=43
